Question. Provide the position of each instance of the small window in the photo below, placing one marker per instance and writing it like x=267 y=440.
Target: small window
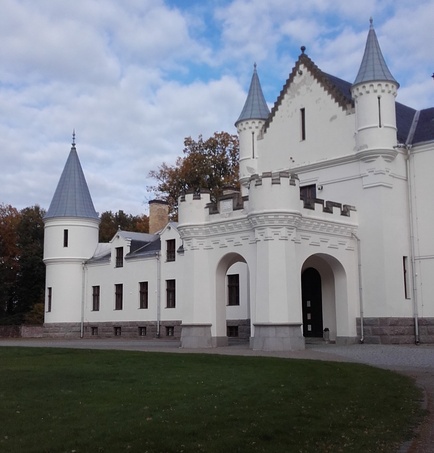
x=170 y=331
x=119 y=289
x=94 y=331
x=117 y=331
x=119 y=256
x=234 y=289
x=95 y=298
x=308 y=192
x=142 y=331
x=170 y=294
x=303 y=124
x=379 y=111
x=406 y=280
x=143 y=294
x=170 y=250
x=232 y=331
x=49 y=298
x=65 y=238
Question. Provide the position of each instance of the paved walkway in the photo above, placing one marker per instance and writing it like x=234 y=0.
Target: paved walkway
x=412 y=360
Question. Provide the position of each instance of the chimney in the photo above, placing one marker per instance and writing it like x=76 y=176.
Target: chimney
x=158 y=215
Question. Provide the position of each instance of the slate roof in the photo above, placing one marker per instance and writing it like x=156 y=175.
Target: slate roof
x=142 y=244
x=255 y=107
x=72 y=197
x=373 y=66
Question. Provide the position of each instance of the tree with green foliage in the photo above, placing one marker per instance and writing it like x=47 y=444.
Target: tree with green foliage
x=111 y=222
x=22 y=271
x=207 y=164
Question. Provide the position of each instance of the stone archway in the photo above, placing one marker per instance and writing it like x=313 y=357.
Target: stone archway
x=328 y=292
x=232 y=316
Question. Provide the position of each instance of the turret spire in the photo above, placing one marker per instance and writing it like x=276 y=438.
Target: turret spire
x=72 y=197
x=255 y=107
x=373 y=67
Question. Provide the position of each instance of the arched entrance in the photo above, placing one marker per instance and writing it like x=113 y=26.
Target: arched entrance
x=325 y=288
x=311 y=296
x=232 y=299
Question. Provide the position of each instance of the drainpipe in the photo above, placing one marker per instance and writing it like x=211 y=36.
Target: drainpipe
x=412 y=245
x=83 y=296
x=158 y=293
x=359 y=263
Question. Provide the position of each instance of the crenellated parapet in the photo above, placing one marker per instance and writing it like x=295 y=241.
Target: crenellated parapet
x=331 y=207
x=192 y=206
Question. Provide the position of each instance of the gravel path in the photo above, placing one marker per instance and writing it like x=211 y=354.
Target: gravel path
x=412 y=360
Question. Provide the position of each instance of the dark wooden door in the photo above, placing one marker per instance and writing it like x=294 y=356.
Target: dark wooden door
x=312 y=303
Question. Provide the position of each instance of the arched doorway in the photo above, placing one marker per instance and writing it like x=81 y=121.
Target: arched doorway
x=232 y=299
x=311 y=303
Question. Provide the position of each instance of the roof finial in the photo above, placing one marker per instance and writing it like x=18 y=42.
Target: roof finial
x=303 y=48
x=371 y=21
x=254 y=65
x=73 y=137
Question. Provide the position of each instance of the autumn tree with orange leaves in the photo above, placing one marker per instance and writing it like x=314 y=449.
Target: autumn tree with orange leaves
x=206 y=164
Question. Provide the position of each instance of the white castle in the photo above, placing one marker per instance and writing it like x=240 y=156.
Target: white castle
x=330 y=236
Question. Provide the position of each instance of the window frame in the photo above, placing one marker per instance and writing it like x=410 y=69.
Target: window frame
x=96 y=291
x=119 y=257
x=233 y=285
x=171 y=293
x=143 y=295
x=170 y=250
x=119 y=295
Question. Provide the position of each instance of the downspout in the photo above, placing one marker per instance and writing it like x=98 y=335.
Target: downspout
x=412 y=245
x=83 y=296
x=359 y=267
x=158 y=293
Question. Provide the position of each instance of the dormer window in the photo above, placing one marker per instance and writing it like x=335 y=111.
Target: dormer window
x=119 y=256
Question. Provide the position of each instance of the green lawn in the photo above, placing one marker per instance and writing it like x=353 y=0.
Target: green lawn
x=64 y=400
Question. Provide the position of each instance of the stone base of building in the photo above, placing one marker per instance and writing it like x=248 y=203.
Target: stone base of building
x=126 y=329
x=390 y=330
x=197 y=336
x=278 y=337
x=238 y=329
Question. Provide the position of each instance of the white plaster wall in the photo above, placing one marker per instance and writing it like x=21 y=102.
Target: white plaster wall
x=325 y=122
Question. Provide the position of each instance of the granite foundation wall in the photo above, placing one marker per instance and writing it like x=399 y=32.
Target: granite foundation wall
x=396 y=330
x=127 y=329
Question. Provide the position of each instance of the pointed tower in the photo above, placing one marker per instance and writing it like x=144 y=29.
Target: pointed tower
x=70 y=238
x=374 y=92
x=249 y=124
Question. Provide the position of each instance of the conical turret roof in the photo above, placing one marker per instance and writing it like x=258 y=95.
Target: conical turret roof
x=72 y=197
x=255 y=107
x=373 y=67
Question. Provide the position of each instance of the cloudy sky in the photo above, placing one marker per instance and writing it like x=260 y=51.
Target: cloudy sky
x=134 y=77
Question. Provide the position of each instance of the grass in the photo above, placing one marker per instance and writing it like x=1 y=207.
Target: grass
x=63 y=400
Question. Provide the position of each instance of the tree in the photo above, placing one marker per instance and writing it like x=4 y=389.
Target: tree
x=30 y=281
x=207 y=164
x=9 y=259
x=22 y=271
x=111 y=222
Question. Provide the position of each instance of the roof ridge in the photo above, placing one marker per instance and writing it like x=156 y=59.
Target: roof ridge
x=319 y=76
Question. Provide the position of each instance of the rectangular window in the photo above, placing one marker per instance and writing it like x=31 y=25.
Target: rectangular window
x=232 y=331
x=234 y=289
x=379 y=111
x=303 y=123
x=143 y=295
x=170 y=294
x=142 y=331
x=308 y=192
x=94 y=331
x=170 y=250
x=117 y=331
x=170 y=331
x=65 y=238
x=406 y=280
x=119 y=289
x=119 y=256
x=95 y=298
x=49 y=298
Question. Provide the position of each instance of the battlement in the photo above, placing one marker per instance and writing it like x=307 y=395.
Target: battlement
x=316 y=204
x=278 y=177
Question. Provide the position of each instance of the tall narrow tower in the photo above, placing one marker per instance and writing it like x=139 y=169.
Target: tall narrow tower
x=71 y=237
x=374 y=92
x=249 y=124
